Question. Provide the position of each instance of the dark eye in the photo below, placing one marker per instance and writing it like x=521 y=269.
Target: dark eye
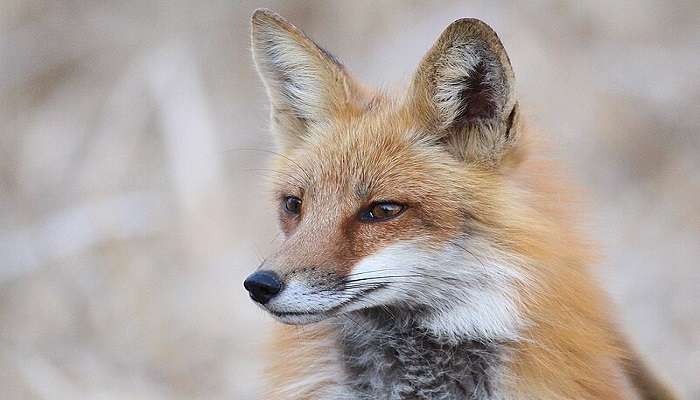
x=382 y=211
x=292 y=204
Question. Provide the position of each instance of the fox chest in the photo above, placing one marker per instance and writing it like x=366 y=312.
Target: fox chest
x=393 y=364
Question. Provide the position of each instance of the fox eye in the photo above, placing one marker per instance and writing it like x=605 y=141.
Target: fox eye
x=382 y=211
x=292 y=204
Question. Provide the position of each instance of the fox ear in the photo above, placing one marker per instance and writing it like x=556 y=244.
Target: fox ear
x=464 y=91
x=304 y=82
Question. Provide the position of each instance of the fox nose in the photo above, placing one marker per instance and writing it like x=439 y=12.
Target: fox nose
x=263 y=286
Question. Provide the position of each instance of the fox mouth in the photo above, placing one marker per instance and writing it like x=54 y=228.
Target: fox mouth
x=294 y=313
x=310 y=316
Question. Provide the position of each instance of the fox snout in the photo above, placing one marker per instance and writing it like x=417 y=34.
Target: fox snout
x=296 y=295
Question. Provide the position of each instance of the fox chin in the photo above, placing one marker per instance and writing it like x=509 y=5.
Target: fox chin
x=429 y=250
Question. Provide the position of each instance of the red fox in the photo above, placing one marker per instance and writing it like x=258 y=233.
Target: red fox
x=427 y=250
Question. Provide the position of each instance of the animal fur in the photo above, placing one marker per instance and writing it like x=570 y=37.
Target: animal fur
x=479 y=289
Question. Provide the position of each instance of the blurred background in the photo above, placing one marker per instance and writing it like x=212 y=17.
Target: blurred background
x=129 y=214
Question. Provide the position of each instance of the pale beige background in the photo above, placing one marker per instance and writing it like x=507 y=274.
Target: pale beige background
x=129 y=214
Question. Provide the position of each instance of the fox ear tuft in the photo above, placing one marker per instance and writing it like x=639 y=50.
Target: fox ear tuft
x=304 y=82
x=464 y=88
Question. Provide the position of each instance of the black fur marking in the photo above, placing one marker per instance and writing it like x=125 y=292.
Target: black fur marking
x=509 y=124
x=330 y=56
x=476 y=96
x=388 y=356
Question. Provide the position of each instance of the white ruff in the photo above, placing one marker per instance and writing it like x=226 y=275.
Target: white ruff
x=467 y=295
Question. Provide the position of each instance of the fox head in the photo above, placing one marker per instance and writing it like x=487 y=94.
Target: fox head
x=393 y=202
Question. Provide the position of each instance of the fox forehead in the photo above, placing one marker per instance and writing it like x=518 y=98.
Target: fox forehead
x=377 y=155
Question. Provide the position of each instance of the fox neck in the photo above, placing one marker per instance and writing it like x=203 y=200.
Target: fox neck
x=390 y=354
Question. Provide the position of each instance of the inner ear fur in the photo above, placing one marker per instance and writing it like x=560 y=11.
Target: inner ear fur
x=464 y=92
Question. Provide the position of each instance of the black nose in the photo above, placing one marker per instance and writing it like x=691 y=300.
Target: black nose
x=262 y=286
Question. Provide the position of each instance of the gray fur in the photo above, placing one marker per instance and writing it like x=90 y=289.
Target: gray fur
x=386 y=355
